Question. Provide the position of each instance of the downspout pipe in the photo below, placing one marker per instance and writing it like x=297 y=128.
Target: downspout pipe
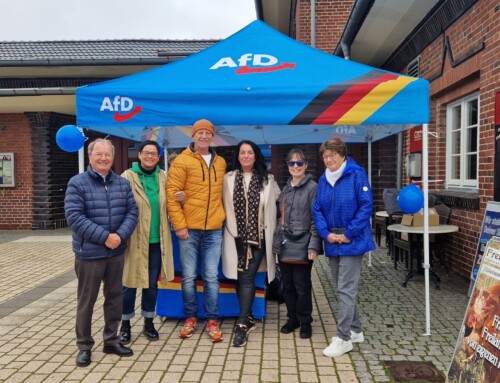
x=359 y=12
x=313 y=23
x=259 y=12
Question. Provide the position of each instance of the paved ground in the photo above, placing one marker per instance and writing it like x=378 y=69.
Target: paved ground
x=37 y=315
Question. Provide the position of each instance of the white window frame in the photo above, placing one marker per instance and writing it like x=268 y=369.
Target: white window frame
x=463 y=156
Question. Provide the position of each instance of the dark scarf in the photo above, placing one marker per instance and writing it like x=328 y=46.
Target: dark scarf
x=246 y=210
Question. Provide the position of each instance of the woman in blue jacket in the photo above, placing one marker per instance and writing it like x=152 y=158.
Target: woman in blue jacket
x=342 y=212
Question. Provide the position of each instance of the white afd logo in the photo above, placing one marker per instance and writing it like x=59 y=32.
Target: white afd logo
x=255 y=59
x=119 y=104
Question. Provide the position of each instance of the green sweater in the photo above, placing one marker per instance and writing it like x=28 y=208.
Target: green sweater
x=150 y=185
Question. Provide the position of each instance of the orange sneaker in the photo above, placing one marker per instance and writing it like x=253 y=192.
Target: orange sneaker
x=214 y=331
x=187 y=330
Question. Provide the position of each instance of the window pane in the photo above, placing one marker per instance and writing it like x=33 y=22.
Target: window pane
x=472 y=167
x=471 y=140
x=472 y=113
x=455 y=142
x=456 y=117
x=462 y=142
x=455 y=168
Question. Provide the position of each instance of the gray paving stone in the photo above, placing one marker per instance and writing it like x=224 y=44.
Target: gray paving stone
x=37 y=336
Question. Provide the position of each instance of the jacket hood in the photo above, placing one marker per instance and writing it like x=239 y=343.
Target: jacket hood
x=190 y=150
x=303 y=181
x=351 y=166
x=137 y=169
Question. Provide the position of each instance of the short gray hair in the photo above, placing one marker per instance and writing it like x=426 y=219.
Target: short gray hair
x=104 y=141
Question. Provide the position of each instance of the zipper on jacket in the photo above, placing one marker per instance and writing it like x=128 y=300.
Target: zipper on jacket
x=209 y=193
x=109 y=205
x=333 y=207
x=203 y=173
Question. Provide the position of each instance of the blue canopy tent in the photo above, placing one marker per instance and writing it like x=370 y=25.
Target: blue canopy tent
x=260 y=78
x=261 y=85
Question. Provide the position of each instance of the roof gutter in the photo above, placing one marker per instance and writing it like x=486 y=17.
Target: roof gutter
x=359 y=12
x=91 y=62
x=37 y=92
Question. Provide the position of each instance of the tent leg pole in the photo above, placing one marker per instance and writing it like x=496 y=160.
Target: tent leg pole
x=81 y=160
x=425 y=171
x=165 y=158
x=370 y=182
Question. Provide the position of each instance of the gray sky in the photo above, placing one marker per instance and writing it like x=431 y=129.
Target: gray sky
x=36 y=20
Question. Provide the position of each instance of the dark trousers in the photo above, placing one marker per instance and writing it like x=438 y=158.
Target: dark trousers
x=149 y=295
x=297 y=290
x=245 y=285
x=90 y=274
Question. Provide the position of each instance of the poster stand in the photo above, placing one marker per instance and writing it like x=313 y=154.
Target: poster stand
x=477 y=352
x=489 y=228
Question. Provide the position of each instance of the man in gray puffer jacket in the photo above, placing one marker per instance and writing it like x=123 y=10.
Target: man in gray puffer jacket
x=101 y=212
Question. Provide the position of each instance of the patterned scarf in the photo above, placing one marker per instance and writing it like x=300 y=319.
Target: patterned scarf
x=246 y=209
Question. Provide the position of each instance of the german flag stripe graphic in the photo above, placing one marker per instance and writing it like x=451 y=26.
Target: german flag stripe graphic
x=352 y=102
x=226 y=286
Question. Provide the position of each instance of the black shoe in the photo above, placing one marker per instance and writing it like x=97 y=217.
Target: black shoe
x=149 y=329
x=305 y=331
x=125 y=333
x=290 y=326
x=250 y=324
x=240 y=335
x=118 y=349
x=83 y=358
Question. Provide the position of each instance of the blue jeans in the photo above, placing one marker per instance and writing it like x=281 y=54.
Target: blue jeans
x=150 y=294
x=207 y=246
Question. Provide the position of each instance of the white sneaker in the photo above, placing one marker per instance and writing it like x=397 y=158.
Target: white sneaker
x=357 y=337
x=338 y=347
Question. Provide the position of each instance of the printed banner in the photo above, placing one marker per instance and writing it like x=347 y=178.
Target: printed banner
x=169 y=302
x=490 y=228
x=477 y=352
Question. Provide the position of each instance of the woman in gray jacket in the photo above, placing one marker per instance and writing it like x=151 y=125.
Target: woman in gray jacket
x=297 y=224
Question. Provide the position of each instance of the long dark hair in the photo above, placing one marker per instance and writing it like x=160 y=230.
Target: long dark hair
x=260 y=162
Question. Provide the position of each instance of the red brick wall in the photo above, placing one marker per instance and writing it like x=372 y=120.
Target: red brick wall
x=480 y=73
x=16 y=203
x=331 y=18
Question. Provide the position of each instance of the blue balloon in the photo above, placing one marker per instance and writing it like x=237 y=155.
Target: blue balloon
x=70 y=138
x=410 y=199
x=162 y=151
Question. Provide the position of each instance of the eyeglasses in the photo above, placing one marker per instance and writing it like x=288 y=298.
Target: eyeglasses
x=298 y=163
x=149 y=154
x=105 y=155
x=330 y=156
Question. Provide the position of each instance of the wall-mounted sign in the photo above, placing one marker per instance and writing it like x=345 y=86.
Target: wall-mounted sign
x=416 y=139
x=7 y=178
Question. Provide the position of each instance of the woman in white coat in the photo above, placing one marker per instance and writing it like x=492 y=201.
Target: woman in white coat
x=249 y=196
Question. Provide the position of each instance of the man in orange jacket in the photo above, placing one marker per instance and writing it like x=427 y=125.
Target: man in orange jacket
x=198 y=171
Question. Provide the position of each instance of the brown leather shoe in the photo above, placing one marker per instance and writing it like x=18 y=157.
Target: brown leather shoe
x=187 y=330
x=214 y=331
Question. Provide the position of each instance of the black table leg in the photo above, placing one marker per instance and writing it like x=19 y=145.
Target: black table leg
x=419 y=269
